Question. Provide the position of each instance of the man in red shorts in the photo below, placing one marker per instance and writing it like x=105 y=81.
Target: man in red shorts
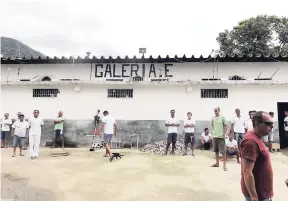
x=256 y=168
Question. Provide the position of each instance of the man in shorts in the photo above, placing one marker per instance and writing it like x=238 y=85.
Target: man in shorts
x=238 y=126
x=268 y=140
x=189 y=137
x=219 y=125
x=58 y=127
x=6 y=122
x=110 y=127
x=172 y=123
x=20 y=130
x=232 y=147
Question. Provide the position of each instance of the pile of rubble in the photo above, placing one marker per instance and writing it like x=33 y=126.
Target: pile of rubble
x=158 y=147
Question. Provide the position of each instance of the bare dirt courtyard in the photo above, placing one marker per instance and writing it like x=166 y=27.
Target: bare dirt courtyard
x=88 y=176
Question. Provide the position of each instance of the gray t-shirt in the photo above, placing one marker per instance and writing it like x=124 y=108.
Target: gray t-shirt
x=286 y=123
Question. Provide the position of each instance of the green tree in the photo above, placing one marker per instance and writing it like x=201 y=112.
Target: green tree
x=263 y=34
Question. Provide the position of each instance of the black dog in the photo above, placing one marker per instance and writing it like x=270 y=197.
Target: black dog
x=115 y=155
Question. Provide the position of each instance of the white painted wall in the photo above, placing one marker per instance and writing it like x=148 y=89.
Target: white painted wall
x=149 y=103
x=180 y=71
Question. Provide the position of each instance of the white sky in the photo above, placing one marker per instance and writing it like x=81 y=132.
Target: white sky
x=120 y=27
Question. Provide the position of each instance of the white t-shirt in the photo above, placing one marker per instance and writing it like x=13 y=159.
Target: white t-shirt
x=5 y=124
x=20 y=128
x=108 y=122
x=207 y=137
x=172 y=129
x=231 y=144
x=239 y=124
x=286 y=124
x=35 y=125
x=189 y=129
x=249 y=125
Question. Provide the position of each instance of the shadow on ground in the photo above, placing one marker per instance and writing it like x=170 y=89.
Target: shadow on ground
x=17 y=188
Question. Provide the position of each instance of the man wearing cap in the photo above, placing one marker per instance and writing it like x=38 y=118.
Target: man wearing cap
x=20 y=129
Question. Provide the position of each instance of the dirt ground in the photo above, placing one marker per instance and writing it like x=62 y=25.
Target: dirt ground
x=88 y=176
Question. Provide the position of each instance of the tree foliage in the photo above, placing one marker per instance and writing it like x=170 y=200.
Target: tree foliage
x=267 y=35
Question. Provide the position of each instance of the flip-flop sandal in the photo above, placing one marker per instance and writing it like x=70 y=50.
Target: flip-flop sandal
x=225 y=169
x=22 y=155
x=214 y=165
x=13 y=156
x=111 y=158
x=105 y=155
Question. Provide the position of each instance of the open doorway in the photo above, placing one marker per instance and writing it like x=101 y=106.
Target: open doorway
x=281 y=107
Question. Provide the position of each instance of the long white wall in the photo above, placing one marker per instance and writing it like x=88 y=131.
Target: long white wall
x=148 y=103
x=180 y=71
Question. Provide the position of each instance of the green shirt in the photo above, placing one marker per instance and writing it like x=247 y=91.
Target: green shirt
x=219 y=124
x=59 y=126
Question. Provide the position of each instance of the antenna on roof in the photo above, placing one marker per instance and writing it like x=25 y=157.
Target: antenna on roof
x=274 y=73
x=259 y=75
x=73 y=60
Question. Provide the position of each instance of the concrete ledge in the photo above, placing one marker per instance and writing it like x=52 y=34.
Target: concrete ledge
x=148 y=130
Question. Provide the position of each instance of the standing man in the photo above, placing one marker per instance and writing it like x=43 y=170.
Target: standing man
x=286 y=128
x=5 y=130
x=238 y=127
x=172 y=123
x=256 y=168
x=20 y=130
x=248 y=123
x=268 y=140
x=110 y=127
x=36 y=126
x=219 y=126
x=58 y=127
x=189 y=126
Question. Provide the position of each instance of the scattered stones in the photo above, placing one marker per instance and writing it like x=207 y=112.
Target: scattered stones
x=158 y=147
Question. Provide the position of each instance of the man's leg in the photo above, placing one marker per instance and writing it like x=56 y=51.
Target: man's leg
x=222 y=149
x=237 y=155
x=270 y=139
x=37 y=145
x=62 y=138
x=7 y=134
x=31 y=146
x=15 y=143
x=26 y=143
x=286 y=135
x=21 y=145
x=216 y=150
x=56 y=135
x=192 y=137
x=169 y=140
x=107 y=139
x=2 y=139
x=186 y=141
x=174 y=140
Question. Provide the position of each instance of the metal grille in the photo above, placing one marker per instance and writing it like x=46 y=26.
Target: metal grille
x=137 y=78
x=120 y=93
x=40 y=93
x=214 y=93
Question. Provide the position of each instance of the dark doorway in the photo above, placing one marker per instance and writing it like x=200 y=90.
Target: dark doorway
x=282 y=106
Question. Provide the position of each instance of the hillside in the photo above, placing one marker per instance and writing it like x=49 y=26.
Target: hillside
x=10 y=48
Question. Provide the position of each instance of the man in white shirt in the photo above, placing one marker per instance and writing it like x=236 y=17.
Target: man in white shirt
x=36 y=126
x=189 y=127
x=268 y=139
x=172 y=123
x=206 y=139
x=248 y=123
x=6 y=122
x=110 y=127
x=238 y=126
x=286 y=127
x=20 y=130
x=232 y=147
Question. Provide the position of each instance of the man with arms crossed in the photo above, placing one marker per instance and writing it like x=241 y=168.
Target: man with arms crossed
x=36 y=126
x=58 y=127
x=189 y=137
x=256 y=168
x=172 y=123
x=219 y=126
x=286 y=128
x=238 y=126
x=5 y=130
x=232 y=147
x=110 y=128
x=20 y=130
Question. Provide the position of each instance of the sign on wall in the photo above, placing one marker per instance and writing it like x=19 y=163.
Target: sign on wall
x=132 y=70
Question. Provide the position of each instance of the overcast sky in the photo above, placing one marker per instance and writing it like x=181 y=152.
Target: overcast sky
x=120 y=27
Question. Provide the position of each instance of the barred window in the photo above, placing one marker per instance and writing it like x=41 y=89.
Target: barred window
x=137 y=78
x=40 y=93
x=120 y=93
x=214 y=93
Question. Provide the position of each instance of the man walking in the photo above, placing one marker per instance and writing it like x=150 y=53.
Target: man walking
x=20 y=130
x=36 y=126
x=58 y=128
x=219 y=126
x=189 y=137
x=286 y=128
x=172 y=123
x=238 y=126
x=248 y=123
x=110 y=127
x=5 y=130
x=256 y=168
